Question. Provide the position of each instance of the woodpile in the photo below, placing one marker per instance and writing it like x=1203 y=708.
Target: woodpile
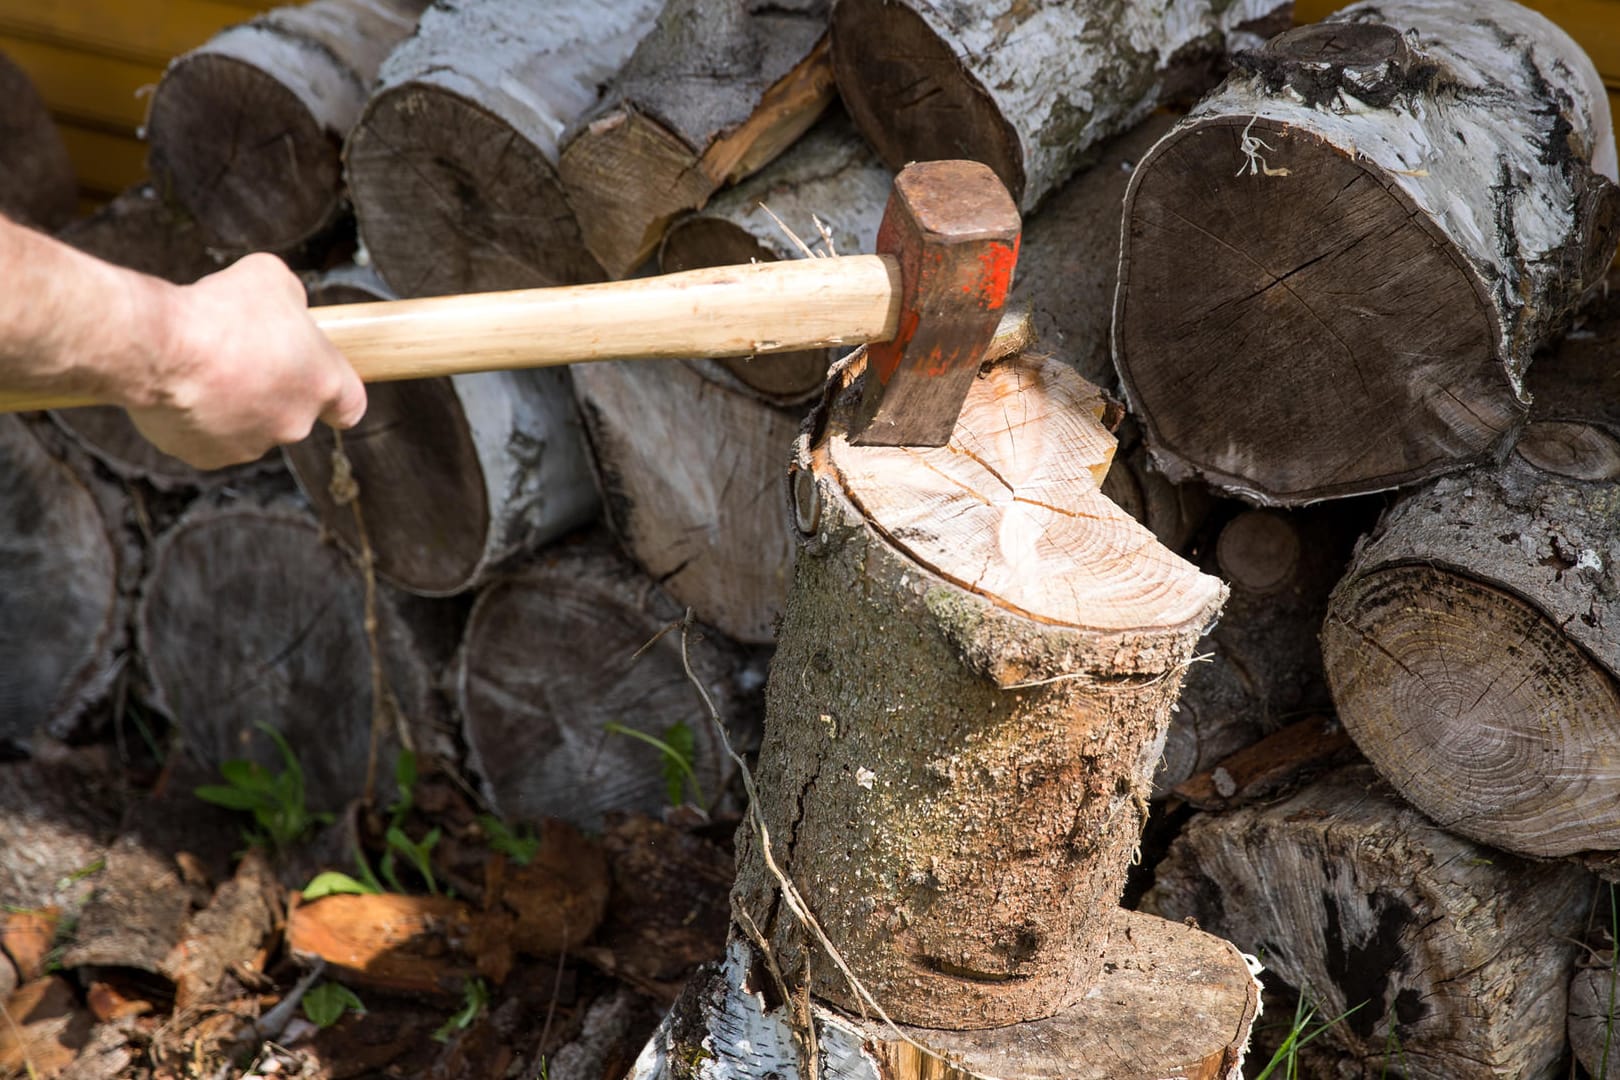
x=1259 y=612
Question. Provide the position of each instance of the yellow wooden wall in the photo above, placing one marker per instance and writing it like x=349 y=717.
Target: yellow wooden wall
x=96 y=61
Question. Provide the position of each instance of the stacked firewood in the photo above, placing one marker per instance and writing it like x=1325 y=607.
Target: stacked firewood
x=1374 y=243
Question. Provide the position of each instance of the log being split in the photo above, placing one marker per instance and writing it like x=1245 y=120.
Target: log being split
x=1456 y=958
x=714 y=92
x=246 y=130
x=453 y=165
x=62 y=615
x=690 y=456
x=37 y=186
x=557 y=651
x=1362 y=237
x=249 y=617
x=1473 y=655
x=457 y=473
x=1026 y=88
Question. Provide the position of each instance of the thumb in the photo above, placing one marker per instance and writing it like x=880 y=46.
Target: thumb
x=348 y=405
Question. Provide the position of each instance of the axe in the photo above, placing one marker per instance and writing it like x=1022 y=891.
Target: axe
x=927 y=304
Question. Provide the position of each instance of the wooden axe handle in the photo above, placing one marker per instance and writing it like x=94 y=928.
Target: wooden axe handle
x=717 y=311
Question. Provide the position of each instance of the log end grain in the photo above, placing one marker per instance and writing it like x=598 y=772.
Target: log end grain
x=37 y=186
x=1318 y=271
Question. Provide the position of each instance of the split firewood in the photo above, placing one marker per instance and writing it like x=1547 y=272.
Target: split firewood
x=37 y=186
x=1594 y=998
x=136 y=915
x=1454 y=956
x=455 y=474
x=1380 y=238
x=245 y=131
x=1261 y=666
x=1472 y=653
x=956 y=764
x=1177 y=514
x=403 y=944
x=1172 y=1002
x=42 y=1029
x=453 y=165
x=1278 y=761
x=716 y=90
x=569 y=667
x=62 y=609
x=228 y=932
x=1005 y=82
x=26 y=937
x=248 y=618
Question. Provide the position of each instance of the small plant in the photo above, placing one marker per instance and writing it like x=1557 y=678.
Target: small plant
x=679 y=748
x=419 y=853
x=276 y=800
x=519 y=845
x=474 y=1000
x=331 y=882
x=1287 y=1055
x=325 y=1004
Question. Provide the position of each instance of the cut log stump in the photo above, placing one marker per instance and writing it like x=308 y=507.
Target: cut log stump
x=1473 y=656
x=1574 y=428
x=714 y=92
x=453 y=165
x=247 y=618
x=1363 y=236
x=62 y=609
x=1455 y=958
x=456 y=474
x=246 y=130
x=558 y=651
x=37 y=185
x=1025 y=88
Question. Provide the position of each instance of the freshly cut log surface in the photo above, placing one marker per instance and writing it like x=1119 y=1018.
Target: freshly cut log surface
x=37 y=185
x=1335 y=270
x=456 y=474
x=61 y=616
x=829 y=179
x=1176 y=1002
x=1027 y=88
x=716 y=90
x=1472 y=653
x=969 y=693
x=558 y=651
x=1457 y=955
x=453 y=165
x=246 y=130
x=248 y=617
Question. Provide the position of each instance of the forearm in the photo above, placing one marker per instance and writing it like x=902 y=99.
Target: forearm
x=75 y=325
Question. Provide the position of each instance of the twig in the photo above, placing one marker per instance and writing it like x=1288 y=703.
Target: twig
x=791 y=235
x=22 y=1043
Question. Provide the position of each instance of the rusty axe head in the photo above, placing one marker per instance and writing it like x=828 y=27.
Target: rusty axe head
x=954 y=230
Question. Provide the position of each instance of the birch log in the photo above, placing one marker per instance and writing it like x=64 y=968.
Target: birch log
x=970 y=689
x=62 y=617
x=558 y=651
x=246 y=130
x=1384 y=215
x=37 y=185
x=453 y=165
x=247 y=618
x=1472 y=653
x=456 y=474
x=1027 y=88
x=713 y=93
x=1456 y=958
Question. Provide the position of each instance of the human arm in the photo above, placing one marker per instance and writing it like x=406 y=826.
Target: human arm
x=215 y=373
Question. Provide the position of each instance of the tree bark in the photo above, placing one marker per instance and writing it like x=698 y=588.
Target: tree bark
x=1472 y=654
x=37 y=186
x=974 y=674
x=716 y=91
x=456 y=474
x=1457 y=956
x=62 y=608
x=141 y=231
x=248 y=618
x=453 y=165
x=1593 y=1003
x=246 y=130
x=1027 y=89
x=1384 y=214
x=1178 y=1003
x=557 y=651
x=829 y=179
x=1264 y=666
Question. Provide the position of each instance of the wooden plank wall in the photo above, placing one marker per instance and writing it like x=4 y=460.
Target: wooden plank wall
x=95 y=63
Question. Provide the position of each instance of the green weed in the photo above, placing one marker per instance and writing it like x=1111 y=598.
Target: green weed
x=1287 y=1055
x=325 y=1004
x=679 y=748
x=276 y=800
